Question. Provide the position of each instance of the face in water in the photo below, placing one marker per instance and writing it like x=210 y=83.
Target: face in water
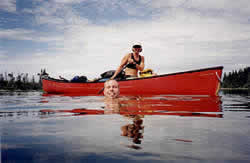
x=111 y=89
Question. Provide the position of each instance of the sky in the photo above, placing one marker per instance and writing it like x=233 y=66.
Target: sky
x=89 y=37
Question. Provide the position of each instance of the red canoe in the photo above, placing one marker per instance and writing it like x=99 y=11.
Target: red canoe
x=197 y=82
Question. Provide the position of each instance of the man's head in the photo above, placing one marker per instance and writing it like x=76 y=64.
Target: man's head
x=111 y=89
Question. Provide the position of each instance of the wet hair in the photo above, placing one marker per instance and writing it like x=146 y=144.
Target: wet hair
x=137 y=46
x=105 y=83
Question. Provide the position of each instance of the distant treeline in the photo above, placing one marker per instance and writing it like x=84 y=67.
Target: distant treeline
x=237 y=79
x=8 y=81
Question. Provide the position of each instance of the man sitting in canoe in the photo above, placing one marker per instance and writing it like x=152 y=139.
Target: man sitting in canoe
x=133 y=62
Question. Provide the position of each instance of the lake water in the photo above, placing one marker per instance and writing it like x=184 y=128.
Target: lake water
x=52 y=128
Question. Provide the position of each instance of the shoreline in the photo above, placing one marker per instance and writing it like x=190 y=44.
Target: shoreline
x=240 y=89
x=19 y=90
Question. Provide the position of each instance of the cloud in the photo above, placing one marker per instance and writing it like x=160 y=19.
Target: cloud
x=27 y=35
x=2 y=56
x=8 y=5
x=176 y=36
x=241 y=6
x=225 y=9
x=205 y=6
x=28 y=11
x=69 y=1
x=92 y=49
x=16 y=34
x=56 y=15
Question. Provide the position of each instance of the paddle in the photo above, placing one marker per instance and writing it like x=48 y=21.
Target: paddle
x=114 y=78
x=101 y=91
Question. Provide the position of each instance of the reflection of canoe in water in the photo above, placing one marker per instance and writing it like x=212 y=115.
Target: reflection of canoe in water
x=197 y=82
x=195 y=107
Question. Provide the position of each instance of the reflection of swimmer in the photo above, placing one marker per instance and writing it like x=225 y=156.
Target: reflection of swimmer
x=112 y=106
x=134 y=131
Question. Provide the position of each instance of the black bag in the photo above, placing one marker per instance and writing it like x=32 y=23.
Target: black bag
x=79 y=79
x=110 y=73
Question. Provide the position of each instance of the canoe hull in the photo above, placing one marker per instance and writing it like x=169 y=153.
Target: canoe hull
x=196 y=82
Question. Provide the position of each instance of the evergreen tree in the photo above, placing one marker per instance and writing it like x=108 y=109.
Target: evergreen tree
x=20 y=82
x=237 y=78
